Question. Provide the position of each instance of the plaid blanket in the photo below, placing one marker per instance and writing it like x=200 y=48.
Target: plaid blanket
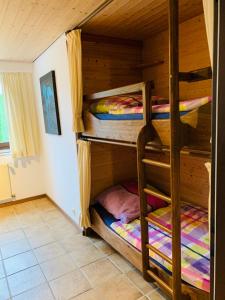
x=132 y=104
x=194 y=239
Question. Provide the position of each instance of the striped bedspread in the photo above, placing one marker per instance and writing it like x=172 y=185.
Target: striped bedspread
x=194 y=238
x=132 y=104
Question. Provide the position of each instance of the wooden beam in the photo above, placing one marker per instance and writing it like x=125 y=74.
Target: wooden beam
x=175 y=145
x=218 y=161
x=87 y=37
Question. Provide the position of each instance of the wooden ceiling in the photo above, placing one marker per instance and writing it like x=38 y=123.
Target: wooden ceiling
x=28 y=27
x=138 y=19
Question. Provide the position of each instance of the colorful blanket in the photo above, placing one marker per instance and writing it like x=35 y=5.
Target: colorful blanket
x=194 y=239
x=132 y=104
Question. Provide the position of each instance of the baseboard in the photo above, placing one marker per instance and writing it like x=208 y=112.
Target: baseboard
x=22 y=200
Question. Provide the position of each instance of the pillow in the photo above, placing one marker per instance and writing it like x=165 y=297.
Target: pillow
x=121 y=203
x=153 y=201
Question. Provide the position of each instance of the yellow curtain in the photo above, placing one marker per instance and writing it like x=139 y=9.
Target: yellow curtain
x=20 y=103
x=84 y=165
x=75 y=66
x=208 y=6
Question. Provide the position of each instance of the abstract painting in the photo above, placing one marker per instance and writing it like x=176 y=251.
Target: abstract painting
x=50 y=103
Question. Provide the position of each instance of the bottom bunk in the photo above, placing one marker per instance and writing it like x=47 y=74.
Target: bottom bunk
x=126 y=239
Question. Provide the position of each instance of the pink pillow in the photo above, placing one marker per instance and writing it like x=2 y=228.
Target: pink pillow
x=120 y=203
x=153 y=201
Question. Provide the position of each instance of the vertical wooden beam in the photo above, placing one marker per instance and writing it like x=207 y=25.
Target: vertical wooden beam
x=218 y=153
x=143 y=137
x=175 y=145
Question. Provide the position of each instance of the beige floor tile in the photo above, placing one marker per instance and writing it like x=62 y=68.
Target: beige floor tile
x=104 y=247
x=44 y=205
x=49 y=251
x=11 y=236
x=26 y=207
x=136 y=277
x=58 y=266
x=100 y=271
x=6 y=211
x=85 y=255
x=30 y=220
x=64 y=230
x=42 y=292
x=69 y=285
x=15 y=248
x=76 y=241
x=157 y=295
x=4 y=292
x=25 y=280
x=117 y=288
x=39 y=236
x=121 y=262
x=9 y=224
x=2 y=272
x=19 y=262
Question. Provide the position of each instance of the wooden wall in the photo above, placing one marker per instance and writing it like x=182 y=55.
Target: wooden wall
x=111 y=164
x=194 y=178
x=108 y=65
x=194 y=54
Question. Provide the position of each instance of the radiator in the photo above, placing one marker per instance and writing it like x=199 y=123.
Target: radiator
x=5 y=184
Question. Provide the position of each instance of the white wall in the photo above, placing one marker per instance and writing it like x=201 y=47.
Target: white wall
x=59 y=152
x=26 y=177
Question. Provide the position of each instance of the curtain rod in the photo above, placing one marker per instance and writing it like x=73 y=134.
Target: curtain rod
x=91 y=15
x=153 y=147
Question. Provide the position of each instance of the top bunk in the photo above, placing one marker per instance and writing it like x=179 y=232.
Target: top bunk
x=119 y=115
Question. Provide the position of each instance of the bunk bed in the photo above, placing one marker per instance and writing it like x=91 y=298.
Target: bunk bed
x=178 y=132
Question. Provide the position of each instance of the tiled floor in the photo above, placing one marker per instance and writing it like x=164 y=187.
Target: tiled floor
x=43 y=256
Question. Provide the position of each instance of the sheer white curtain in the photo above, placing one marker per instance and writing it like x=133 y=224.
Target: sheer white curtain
x=75 y=66
x=23 y=126
x=208 y=6
x=84 y=165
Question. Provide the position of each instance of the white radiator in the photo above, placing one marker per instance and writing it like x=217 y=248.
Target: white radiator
x=5 y=184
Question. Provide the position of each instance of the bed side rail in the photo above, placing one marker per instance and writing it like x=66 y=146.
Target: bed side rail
x=128 y=89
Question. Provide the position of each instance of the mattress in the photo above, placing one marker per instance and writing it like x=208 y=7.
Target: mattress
x=194 y=240
x=120 y=117
x=133 y=104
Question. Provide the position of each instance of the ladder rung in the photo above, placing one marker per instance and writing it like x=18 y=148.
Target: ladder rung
x=155 y=163
x=157 y=194
x=163 y=228
x=158 y=252
x=163 y=285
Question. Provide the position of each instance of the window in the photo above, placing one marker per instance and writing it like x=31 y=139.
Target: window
x=4 y=133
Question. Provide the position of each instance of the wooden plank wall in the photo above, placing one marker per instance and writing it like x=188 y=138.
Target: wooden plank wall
x=111 y=164
x=109 y=65
x=194 y=54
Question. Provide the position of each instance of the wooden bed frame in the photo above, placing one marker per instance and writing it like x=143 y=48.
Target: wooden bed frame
x=193 y=124
x=135 y=257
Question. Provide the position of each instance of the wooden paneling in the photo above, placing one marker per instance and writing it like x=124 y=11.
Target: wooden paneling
x=194 y=178
x=29 y=27
x=107 y=66
x=194 y=54
x=139 y=19
x=110 y=165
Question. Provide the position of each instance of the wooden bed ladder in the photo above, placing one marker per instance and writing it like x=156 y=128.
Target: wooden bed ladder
x=145 y=136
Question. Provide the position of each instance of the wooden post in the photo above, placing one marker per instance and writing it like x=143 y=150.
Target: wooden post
x=175 y=145
x=218 y=157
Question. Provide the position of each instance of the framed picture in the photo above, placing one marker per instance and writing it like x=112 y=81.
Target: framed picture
x=50 y=103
